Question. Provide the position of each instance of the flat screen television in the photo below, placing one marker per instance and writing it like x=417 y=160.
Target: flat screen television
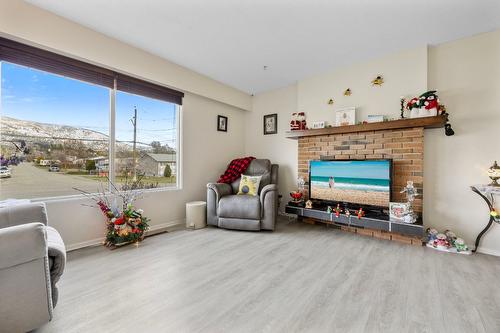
x=362 y=182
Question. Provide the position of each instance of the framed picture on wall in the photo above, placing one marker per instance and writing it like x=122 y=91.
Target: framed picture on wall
x=345 y=116
x=271 y=123
x=221 y=123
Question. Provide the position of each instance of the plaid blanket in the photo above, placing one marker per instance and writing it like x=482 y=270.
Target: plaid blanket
x=235 y=169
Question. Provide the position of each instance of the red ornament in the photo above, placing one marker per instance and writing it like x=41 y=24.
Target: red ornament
x=120 y=220
x=360 y=213
x=338 y=210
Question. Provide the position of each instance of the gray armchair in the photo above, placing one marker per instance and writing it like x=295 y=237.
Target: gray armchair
x=226 y=209
x=32 y=259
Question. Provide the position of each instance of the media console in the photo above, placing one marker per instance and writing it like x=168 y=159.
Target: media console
x=371 y=220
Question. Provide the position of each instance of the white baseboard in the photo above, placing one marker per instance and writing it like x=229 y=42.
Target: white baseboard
x=154 y=229
x=488 y=251
x=81 y=245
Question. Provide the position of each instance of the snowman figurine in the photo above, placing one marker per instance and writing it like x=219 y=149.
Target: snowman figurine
x=429 y=104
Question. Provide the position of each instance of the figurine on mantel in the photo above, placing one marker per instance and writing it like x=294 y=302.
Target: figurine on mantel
x=298 y=122
x=429 y=104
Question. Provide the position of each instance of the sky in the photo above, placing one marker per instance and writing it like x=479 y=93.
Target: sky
x=351 y=169
x=34 y=95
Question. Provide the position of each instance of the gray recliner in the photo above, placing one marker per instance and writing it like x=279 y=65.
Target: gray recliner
x=32 y=259
x=227 y=209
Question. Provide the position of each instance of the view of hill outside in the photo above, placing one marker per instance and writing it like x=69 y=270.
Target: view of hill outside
x=54 y=137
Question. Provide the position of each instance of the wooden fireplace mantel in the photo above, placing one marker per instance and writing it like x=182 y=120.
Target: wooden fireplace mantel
x=426 y=122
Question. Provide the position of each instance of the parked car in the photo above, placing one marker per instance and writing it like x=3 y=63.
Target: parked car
x=5 y=172
x=54 y=168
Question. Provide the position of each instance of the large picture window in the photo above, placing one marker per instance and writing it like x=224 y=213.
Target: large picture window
x=60 y=131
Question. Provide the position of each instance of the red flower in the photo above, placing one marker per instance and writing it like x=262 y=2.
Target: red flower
x=119 y=220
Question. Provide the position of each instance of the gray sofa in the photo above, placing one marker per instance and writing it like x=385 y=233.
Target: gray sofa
x=32 y=259
x=226 y=209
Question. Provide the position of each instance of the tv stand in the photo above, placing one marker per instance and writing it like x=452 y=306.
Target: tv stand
x=371 y=220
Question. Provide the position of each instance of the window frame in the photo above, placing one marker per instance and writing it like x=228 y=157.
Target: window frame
x=33 y=55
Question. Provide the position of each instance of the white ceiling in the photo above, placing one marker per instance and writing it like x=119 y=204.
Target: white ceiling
x=231 y=40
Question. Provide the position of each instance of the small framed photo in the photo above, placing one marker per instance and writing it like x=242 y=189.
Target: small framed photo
x=345 y=116
x=221 y=123
x=398 y=211
x=271 y=124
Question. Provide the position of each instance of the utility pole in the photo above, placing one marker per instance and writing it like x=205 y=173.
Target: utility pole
x=134 y=122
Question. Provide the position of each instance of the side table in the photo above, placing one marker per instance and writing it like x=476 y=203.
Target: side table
x=488 y=193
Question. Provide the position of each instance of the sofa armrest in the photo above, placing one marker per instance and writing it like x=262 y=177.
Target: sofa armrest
x=22 y=243
x=265 y=190
x=22 y=214
x=220 y=189
x=269 y=206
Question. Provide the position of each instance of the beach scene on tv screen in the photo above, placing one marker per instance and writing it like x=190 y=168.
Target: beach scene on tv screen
x=363 y=182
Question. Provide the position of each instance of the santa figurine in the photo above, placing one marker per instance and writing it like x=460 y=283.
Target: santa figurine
x=429 y=104
x=301 y=118
x=294 y=123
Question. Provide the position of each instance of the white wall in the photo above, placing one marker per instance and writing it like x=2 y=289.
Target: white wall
x=404 y=73
x=466 y=74
x=275 y=147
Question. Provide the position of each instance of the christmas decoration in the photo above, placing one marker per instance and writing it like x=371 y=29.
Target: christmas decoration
x=460 y=245
x=428 y=104
x=309 y=204
x=360 y=213
x=338 y=210
x=413 y=107
x=298 y=122
x=446 y=241
x=296 y=196
x=411 y=193
x=123 y=225
x=378 y=81
x=494 y=174
x=348 y=92
x=402 y=101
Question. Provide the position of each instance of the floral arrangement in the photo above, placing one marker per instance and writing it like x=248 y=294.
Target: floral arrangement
x=125 y=225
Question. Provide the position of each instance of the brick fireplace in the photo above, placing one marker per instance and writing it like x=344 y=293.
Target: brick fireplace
x=404 y=146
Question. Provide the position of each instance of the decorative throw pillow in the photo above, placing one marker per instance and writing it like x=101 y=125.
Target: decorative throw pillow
x=249 y=185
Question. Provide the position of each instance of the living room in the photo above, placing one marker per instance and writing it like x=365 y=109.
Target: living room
x=104 y=102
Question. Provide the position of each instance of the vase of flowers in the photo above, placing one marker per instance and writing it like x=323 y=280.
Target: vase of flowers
x=125 y=224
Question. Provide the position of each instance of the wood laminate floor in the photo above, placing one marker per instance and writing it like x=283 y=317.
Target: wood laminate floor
x=300 y=278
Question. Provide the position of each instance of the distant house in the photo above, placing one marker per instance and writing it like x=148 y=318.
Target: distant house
x=49 y=162
x=153 y=165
